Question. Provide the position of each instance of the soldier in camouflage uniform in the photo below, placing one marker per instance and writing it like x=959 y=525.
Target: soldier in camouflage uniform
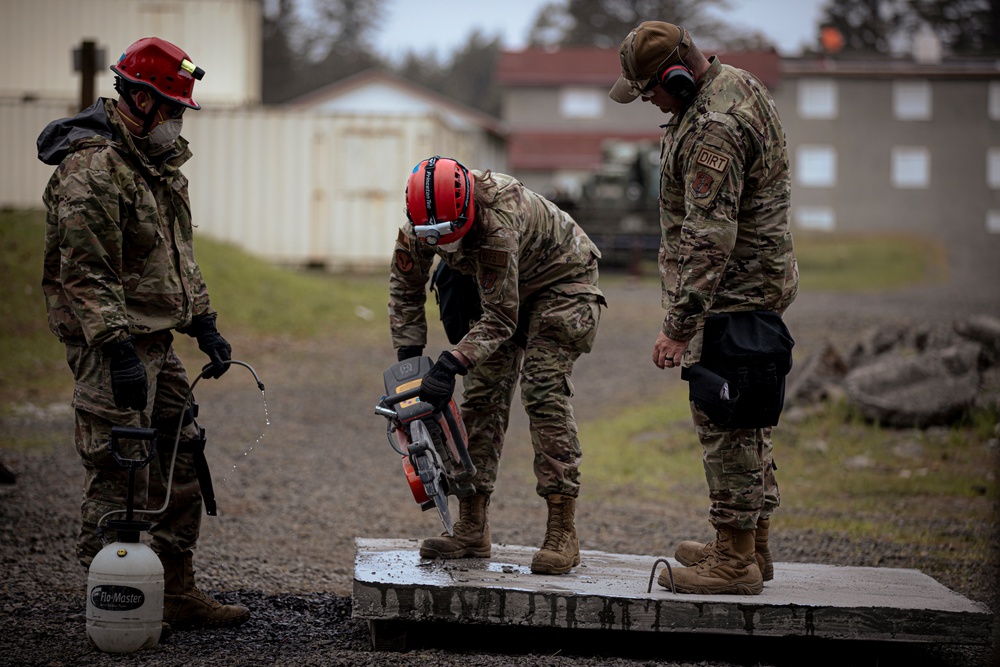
x=536 y=272
x=726 y=246
x=119 y=277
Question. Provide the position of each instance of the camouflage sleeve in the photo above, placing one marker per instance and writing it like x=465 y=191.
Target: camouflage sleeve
x=90 y=248
x=497 y=277
x=408 y=276
x=200 y=303
x=713 y=181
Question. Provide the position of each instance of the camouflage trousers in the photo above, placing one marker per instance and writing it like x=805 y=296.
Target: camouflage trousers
x=560 y=328
x=739 y=465
x=105 y=488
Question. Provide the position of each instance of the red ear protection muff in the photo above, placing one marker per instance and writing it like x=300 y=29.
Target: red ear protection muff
x=678 y=81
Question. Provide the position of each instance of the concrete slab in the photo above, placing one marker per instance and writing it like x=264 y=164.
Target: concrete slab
x=611 y=592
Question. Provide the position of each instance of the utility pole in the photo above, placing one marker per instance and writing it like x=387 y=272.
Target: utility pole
x=85 y=61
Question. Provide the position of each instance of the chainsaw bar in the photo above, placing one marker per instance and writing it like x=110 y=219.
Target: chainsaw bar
x=431 y=471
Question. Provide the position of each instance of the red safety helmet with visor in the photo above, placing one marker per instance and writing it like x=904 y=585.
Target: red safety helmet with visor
x=439 y=200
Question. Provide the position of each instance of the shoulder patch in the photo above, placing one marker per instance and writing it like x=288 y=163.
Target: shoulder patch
x=488 y=281
x=712 y=159
x=702 y=184
x=493 y=257
x=404 y=261
x=402 y=239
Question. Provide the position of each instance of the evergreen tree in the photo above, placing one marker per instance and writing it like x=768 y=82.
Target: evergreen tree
x=604 y=23
x=308 y=44
x=965 y=27
x=280 y=66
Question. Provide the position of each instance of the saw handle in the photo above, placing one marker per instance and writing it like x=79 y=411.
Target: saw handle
x=386 y=405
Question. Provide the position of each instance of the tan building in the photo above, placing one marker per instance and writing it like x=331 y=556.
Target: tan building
x=892 y=145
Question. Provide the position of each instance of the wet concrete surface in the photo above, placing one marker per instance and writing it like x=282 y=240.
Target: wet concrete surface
x=612 y=592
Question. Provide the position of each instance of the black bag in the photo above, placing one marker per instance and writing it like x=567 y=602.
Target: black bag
x=752 y=352
x=711 y=393
x=458 y=299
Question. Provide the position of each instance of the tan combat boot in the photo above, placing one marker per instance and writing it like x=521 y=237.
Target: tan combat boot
x=561 y=550
x=186 y=607
x=689 y=552
x=729 y=566
x=471 y=532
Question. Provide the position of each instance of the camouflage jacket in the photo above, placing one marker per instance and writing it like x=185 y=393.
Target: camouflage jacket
x=119 y=256
x=520 y=245
x=724 y=194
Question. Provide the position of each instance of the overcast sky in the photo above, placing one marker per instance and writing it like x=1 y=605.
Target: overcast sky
x=442 y=26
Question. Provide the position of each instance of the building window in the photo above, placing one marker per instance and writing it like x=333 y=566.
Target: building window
x=911 y=167
x=993 y=106
x=581 y=103
x=993 y=168
x=911 y=100
x=819 y=218
x=816 y=166
x=993 y=222
x=817 y=98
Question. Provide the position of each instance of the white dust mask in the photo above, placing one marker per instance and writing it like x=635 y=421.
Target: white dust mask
x=166 y=133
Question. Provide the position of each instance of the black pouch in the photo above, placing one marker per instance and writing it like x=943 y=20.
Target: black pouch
x=711 y=393
x=458 y=300
x=752 y=351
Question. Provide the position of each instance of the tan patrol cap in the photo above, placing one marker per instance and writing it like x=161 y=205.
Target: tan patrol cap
x=646 y=50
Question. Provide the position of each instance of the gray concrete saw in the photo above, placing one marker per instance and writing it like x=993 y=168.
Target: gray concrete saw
x=433 y=444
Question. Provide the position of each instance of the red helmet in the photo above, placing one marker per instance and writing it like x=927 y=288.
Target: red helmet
x=157 y=64
x=439 y=200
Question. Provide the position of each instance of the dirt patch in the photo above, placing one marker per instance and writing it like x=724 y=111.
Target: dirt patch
x=297 y=486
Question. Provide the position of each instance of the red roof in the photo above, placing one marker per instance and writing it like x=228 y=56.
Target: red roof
x=601 y=67
x=571 y=65
x=567 y=150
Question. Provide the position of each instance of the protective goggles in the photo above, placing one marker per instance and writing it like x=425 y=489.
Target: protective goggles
x=431 y=234
x=173 y=111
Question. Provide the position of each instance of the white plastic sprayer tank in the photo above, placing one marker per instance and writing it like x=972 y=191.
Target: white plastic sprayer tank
x=125 y=598
x=125 y=584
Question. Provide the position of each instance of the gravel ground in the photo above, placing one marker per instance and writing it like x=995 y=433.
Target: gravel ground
x=300 y=478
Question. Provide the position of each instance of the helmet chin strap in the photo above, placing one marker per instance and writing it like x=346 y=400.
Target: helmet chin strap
x=147 y=117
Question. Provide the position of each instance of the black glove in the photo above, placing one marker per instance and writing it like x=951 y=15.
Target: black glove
x=211 y=343
x=438 y=385
x=128 y=375
x=409 y=351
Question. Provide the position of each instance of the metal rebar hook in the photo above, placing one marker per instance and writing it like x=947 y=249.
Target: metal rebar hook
x=653 y=574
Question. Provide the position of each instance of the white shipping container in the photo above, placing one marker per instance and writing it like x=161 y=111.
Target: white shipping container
x=38 y=37
x=290 y=187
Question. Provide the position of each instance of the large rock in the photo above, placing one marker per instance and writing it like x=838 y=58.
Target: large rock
x=985 y=330
x=933 y=387
x=817 y=378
